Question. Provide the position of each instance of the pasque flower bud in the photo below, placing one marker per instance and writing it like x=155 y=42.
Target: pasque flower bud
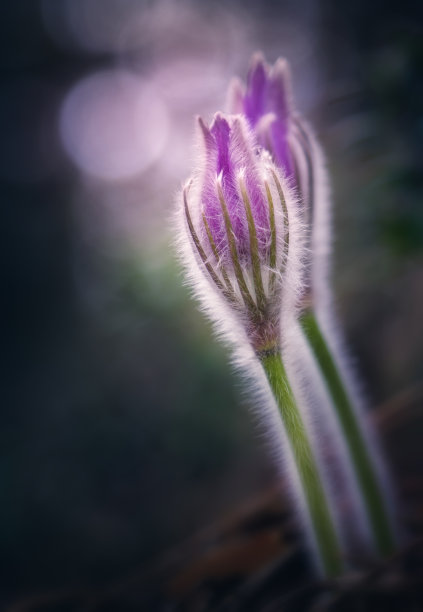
x=239 y=213
x=242 y=243
x=267 y=102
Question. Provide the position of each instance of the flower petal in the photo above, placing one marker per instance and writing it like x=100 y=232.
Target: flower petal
x=257 y=83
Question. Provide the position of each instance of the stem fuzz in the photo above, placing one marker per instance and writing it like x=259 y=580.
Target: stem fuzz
x=321 y=521
x=359 y=454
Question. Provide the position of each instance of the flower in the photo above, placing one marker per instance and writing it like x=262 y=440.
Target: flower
x=239 y=214
x=268 y=104
x=242 y=242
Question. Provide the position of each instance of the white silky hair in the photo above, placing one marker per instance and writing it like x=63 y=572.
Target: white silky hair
x=235 y=96
x=231 y=325
x=292 y=279
x=317 y=407
x=325 y=312
x=312 y=395
x=328 y=442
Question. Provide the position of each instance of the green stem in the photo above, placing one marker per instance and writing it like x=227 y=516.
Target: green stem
x=360 y=456
x=318 y=508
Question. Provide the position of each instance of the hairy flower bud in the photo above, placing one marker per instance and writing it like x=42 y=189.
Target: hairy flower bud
x=239 y=213
x=242 y=243
x=267 y=102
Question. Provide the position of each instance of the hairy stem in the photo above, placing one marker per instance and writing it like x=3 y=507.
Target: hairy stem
x=360 y=456
x=321 y=521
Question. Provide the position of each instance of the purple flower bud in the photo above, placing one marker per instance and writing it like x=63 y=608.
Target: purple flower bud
x=239 y=214
x=266 y=102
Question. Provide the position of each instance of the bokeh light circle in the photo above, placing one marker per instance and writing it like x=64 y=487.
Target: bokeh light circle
x=113 y=125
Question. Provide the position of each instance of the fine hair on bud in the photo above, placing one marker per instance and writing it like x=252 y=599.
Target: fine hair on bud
x=240 y=235
x=241 y=238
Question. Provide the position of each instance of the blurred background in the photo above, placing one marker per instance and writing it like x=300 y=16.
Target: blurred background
x=122 y=428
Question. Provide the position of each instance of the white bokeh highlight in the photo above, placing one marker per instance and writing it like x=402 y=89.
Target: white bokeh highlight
x=113 y=125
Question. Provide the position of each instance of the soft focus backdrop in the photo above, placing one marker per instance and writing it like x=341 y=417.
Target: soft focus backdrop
x=123 y=429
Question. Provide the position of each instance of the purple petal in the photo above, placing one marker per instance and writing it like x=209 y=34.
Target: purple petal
x=245 y=160
x=281 y=151
x=269 y=94
x=209 y=199
x=255 y=97
x=223 y=135
x=235 y=96
x=231 y=154
x=279 y=91
x=220 y=132
x=217 y=163
x=227 y=166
